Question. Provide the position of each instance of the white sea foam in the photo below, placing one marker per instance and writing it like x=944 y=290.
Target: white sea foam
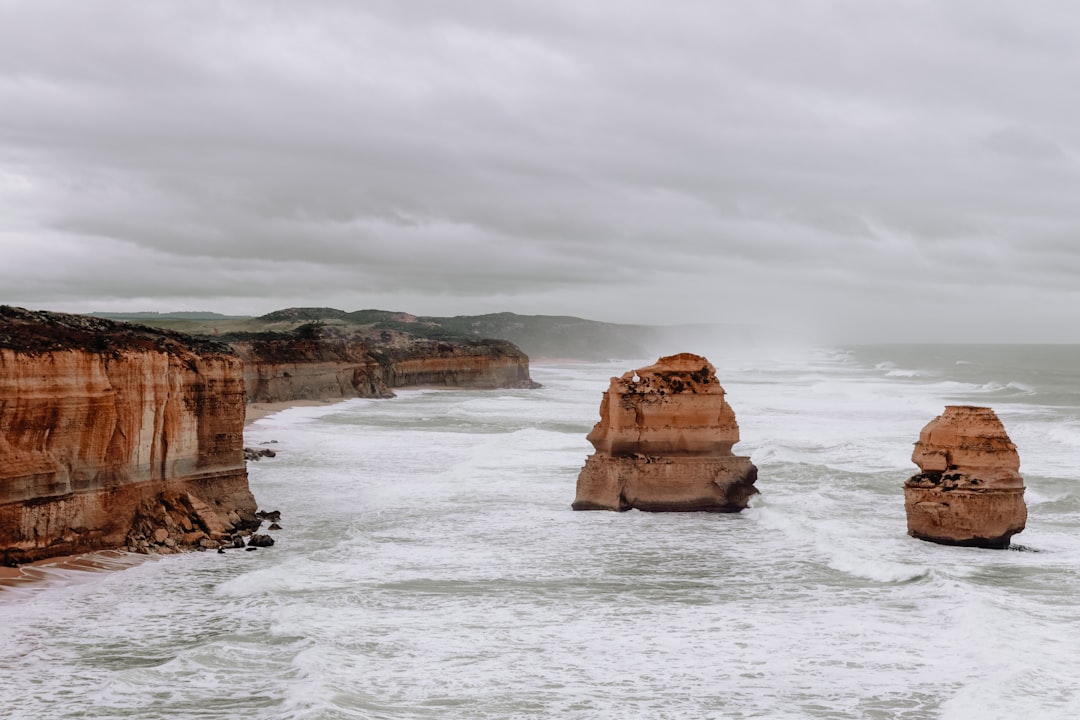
x=429 y=566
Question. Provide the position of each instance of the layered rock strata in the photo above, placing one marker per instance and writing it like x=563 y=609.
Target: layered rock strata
x=326 y=366
x=969 y=490
x=105 y=426
x=664 y=443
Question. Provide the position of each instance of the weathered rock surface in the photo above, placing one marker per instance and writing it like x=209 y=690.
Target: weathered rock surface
x=325 y=363
x=664 y=443
x=260 y=540
x=101 y=422
x=969 y=491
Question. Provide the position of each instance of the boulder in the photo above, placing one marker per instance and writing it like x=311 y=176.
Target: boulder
x=664 y=443
x=970 y=491
x=259 y=540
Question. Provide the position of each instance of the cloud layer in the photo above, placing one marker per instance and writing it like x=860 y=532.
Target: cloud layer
x=866 y=170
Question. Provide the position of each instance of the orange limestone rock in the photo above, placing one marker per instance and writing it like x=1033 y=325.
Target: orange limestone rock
x=663 y=443
x=969 y=491
x=115 y=435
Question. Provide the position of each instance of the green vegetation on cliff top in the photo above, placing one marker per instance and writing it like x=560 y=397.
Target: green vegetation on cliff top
x=539 y=336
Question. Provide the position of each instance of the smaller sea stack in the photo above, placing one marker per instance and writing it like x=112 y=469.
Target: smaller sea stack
x=969 y=491
x=663 y=444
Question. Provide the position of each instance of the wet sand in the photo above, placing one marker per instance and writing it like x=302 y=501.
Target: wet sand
x=261 y=410
x=66 y=568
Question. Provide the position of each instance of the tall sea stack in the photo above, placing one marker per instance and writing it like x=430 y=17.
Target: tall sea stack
x=664 y=443
x=110 y=432
x=969 y=491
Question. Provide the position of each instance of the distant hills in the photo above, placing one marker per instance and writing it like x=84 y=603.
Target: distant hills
x=540 y=336
x=145 y=317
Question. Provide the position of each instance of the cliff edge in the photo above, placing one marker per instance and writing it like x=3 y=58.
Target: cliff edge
x=302 y=358
x=116 y=435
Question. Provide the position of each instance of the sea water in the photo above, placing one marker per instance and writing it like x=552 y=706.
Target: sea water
x=429 y=566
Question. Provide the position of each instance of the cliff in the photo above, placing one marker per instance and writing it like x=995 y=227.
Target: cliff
x=969 y=490
x=316 y=361
x=664 y=443
x=116 y=435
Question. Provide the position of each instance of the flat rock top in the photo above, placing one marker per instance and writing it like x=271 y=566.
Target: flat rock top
x=675 y=374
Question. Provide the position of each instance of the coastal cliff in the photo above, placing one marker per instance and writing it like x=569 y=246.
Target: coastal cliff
x=318 y=361
x=116 y=435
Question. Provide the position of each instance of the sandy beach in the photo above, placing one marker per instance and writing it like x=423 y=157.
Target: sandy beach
x=66 y=567
x=261 y=410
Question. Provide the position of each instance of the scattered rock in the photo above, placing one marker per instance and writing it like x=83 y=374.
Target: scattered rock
x=274 y=526
x=259 y=540
x=271 y=515
x=254 y=454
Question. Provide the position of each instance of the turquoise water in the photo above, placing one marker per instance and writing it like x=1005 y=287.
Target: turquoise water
x=430 y=566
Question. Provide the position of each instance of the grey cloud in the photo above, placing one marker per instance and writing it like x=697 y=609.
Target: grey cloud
x=829 y=158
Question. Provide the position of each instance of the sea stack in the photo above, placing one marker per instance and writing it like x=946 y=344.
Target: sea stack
x=663 y=444
x=969 y=491
x=115 y=435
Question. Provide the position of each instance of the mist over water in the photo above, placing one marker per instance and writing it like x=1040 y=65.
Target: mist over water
x=430 y=566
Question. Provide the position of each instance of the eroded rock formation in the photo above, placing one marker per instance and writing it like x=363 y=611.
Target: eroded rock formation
x=664 y=443
x=105 y=426
x=969 y=491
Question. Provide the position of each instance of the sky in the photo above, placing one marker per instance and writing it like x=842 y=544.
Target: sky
x=853 y=170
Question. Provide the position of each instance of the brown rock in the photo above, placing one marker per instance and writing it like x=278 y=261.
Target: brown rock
x=664 y=443
x=99 y=419
x=969 y=491
x=330 y=364
x=259 y=540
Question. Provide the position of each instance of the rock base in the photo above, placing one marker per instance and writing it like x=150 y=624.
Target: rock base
x=143 y=516
x=982 y=518
x=651 y=484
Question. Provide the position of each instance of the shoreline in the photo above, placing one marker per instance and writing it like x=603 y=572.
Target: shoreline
x=64 y=567
x=257 y=411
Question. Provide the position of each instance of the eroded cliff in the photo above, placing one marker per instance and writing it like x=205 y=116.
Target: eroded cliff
x=314 y=362
x=106 y=426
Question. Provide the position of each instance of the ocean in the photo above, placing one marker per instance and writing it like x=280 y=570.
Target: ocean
x=429 y=566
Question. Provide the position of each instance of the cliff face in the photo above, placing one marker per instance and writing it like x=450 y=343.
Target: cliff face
x=324 y=364
x=99 y=421
x=969 y=491
x=664 y=443
x=304 y=368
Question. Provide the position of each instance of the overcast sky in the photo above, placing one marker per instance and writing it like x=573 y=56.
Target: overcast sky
x=901 y=170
